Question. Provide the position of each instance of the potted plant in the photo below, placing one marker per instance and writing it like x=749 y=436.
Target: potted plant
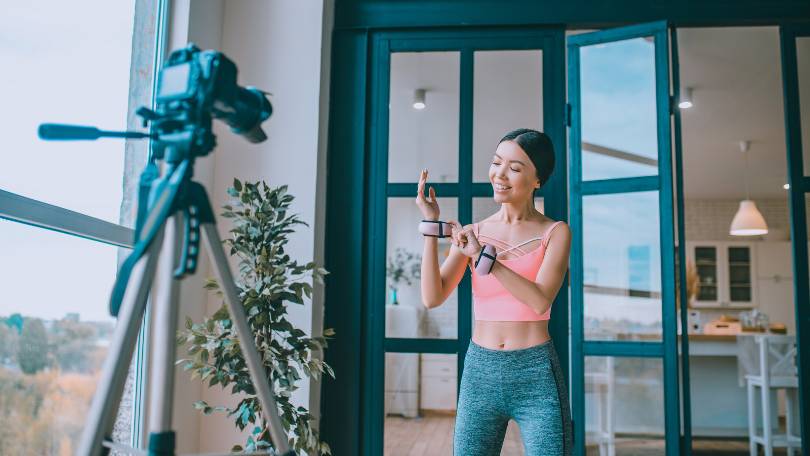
x=268 y=279
x=403 y=267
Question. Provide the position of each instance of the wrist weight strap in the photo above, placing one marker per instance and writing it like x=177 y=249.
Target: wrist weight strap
x=435 y=228
x=485 y=261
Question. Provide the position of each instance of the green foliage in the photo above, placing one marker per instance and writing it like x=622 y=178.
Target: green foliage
x=267 y=279
x=16 y=321
x=32 y=349
x=73 y=344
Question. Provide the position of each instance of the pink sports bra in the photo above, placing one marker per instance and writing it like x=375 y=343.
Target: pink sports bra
x=491 y=301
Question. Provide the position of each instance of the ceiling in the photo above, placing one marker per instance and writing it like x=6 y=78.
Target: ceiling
x=735 y=74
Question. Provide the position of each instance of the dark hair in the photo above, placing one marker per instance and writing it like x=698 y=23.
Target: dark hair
x=538 y=147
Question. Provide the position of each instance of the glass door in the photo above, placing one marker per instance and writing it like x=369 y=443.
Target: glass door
x=441 y=101
x=624 y=373
x=795 y=43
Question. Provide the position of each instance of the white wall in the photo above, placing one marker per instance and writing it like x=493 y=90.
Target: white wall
x=279 y=47
x=710 y=219
x=282 y=47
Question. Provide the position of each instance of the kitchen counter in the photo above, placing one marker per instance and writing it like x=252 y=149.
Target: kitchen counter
x=719 y=403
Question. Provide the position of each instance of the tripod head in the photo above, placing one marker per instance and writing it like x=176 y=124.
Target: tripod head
x=193 y=88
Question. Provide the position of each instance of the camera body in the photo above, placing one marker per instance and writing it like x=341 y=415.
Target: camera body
x=193 y=88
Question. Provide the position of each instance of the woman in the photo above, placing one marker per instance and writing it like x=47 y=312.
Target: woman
x=511 y=370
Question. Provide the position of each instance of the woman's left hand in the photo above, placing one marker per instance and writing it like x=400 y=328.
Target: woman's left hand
x=466 y=241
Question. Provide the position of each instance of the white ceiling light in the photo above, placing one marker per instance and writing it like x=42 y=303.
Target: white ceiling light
x=419 y=99
x=786 y=186
x=748 y=221
x=686 y=98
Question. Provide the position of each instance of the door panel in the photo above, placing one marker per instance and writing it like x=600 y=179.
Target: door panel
x=473 y=87
x=517 y=100
x=617 y=86
x=622 y=277
x=622 y=269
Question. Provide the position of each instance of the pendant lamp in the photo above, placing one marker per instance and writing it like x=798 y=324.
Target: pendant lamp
x=748 y=221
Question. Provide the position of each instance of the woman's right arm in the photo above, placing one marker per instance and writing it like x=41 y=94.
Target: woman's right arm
x=437 y=284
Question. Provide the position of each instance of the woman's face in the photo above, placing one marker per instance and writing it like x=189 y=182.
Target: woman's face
x=512 y=174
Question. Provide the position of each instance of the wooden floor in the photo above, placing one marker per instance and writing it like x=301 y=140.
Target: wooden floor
x=433 y=436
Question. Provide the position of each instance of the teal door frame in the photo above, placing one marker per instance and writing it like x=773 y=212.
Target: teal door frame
x=663 y=184
x=686 y=395
x=799 y=188
x=550 y=40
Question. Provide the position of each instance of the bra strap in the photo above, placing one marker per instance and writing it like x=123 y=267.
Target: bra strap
x=479 y=235
x=506 y=245
x=547 y=234
x=518 y=246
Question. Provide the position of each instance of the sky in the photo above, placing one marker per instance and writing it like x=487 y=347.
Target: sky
x=619 y=112
x=71 y=64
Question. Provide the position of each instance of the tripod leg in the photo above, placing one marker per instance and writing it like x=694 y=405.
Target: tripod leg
x=116 y=365
x=164 y=326
x=240 y=322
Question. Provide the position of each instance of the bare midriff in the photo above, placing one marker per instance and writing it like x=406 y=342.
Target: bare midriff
x=510 y=335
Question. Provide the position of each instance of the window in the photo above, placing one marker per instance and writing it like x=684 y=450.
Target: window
x=73 y=63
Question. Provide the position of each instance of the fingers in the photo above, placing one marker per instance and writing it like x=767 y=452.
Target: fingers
x=461 y=236
x=422 y=180
x=453 y=234
x=432 y=195
x=467 y=234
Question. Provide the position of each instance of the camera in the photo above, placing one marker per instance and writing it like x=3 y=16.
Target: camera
x=195 y=86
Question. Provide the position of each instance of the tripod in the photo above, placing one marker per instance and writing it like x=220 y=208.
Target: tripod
x=179 y=212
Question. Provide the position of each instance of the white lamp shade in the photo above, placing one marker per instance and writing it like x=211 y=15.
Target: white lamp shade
x=748 y=221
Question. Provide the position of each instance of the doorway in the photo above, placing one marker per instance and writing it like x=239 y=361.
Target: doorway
x=432 y=99
x=441 y=101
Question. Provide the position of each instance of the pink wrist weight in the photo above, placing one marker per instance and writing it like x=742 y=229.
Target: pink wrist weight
x=485 y=261
x=435 y=228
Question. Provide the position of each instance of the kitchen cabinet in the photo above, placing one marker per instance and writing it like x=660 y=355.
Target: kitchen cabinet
x=438 y=382
x=775 y=282
x=401 y=369
x=727 y=272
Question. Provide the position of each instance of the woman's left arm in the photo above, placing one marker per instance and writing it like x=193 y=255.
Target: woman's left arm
x=541 y=293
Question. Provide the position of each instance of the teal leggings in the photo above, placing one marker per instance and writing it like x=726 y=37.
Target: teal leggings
x=525 y=385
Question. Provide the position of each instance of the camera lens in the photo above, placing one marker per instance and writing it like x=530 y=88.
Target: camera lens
x=250 y=109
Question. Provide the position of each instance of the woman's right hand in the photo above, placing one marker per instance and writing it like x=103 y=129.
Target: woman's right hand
x=428 y=206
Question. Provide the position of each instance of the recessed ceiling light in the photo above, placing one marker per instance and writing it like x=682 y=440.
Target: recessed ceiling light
x=419 y=99
x=786 y=186
x=686 y=98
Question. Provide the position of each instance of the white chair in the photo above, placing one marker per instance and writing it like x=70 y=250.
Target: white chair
x=602 y=383
x=776 y=369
